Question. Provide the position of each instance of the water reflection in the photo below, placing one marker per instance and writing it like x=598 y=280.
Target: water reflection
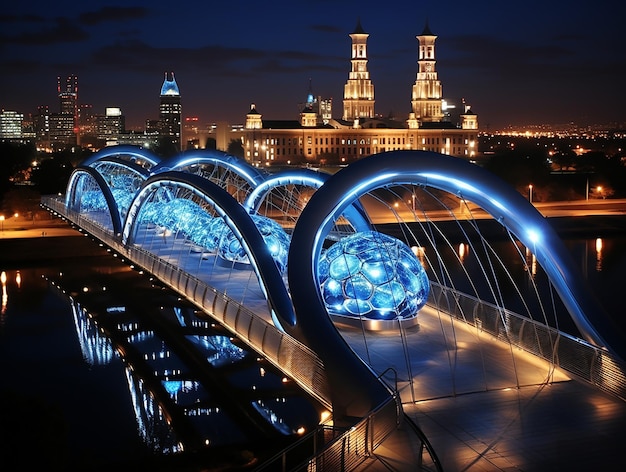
x=5 y=294
x=192 y=385
x=598 y=254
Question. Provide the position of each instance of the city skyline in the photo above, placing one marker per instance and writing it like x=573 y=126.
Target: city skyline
x=563 y=65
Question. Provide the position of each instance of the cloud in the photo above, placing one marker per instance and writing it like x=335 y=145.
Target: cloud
x=64 y=31
x=213 y=60
x=113 y=14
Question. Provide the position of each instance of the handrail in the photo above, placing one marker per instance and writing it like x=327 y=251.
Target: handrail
x=425 y=442
x=594 y=365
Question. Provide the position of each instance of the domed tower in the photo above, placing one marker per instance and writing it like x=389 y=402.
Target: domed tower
x=310 y=110
x=427 y=94
x=254 y=120
x=170 y=111
x=358 y=92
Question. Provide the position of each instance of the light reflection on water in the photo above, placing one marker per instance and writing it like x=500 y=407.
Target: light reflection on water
x=173 y=405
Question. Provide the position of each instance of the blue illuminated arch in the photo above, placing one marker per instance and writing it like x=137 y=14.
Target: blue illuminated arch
x=354 y=390
x=239 y=222
x=127 y=150
x=250 y=174
x=355 y=213
x=72 y=197
x=133 y=167
x=468 y=182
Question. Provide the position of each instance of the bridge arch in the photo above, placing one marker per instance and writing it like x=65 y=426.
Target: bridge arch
x=135 y=152
x=239 y=222
x=467 y=181
x=250 y=174
x=74 y=194
x=355 y=214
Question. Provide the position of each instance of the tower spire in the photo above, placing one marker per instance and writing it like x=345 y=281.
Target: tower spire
x=426 y=100
x=358 y=92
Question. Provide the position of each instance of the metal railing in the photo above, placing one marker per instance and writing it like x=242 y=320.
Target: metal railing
x=329 y=448
x=576 y=356
x=326 y=448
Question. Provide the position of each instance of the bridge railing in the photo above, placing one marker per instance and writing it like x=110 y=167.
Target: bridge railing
x=589 y=363
x=292 y=357
x=594 y=365
x=327 y=448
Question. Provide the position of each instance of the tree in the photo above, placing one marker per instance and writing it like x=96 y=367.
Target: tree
x=235 y=148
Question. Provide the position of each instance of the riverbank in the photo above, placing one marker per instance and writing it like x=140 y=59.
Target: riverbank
x=53 y=241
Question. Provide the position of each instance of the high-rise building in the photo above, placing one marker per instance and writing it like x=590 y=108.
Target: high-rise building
x=11 y=124
x=170 y=111
x=358 y=92
x=68 y=95
x=41 y=125
x=64 y=125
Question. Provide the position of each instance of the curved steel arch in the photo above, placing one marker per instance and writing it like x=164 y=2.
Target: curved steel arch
x=71 y=197
x=355 y=213
x=134 y=151
x=131 y=166
x=239 y=221
x=250 y=174
x=468 y=181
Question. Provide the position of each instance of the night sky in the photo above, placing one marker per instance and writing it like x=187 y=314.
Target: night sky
x=515 y=63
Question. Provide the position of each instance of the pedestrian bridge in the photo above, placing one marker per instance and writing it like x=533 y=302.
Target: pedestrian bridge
x=374 y=288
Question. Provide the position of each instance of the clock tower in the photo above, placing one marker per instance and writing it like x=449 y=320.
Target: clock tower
x=426 y=97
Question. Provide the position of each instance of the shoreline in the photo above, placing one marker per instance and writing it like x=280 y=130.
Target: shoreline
x=51 y=243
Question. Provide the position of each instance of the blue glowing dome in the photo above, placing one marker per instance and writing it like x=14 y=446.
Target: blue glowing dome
x=275 y=237
x=373 y=275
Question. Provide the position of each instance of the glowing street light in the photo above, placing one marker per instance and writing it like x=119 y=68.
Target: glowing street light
x=530 y=193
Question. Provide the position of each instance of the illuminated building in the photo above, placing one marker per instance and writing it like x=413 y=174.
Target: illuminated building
x=170 y=111
x=64 y=125
x=317 y=138
x=11 y=124
x=358 y=93
x=110 y=125
x=426 y=99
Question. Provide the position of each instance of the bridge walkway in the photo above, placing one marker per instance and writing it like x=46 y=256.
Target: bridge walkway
x=550 y=422
x=483 y=405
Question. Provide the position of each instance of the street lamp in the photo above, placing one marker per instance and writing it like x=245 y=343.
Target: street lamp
x=530 y=193
x=599 y=189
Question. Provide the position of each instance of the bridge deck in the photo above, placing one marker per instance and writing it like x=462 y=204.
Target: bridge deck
x=483 y=405
x=550 y=422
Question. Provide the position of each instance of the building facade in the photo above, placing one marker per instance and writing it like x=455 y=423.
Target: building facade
x=360 y=132
x=64 y=125
x=11 y=125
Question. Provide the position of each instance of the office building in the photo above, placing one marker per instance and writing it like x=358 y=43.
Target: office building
x=170 y=111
